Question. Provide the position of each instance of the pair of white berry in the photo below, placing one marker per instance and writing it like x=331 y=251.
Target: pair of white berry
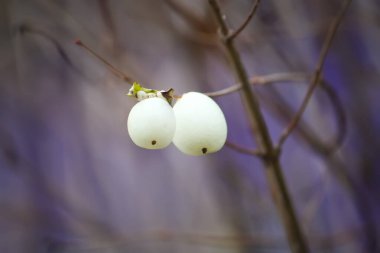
x=195 y=124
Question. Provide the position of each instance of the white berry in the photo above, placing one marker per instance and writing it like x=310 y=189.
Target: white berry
x=151 y=123
x=200 y=125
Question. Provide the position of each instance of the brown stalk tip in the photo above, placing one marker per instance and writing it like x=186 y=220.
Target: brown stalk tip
x=78 y=42
x=204 y=150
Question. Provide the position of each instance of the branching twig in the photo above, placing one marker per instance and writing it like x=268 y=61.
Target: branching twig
x=284 y=111
x=317 y=76
x=235 y=33
x=114 y=70
x=271 y=158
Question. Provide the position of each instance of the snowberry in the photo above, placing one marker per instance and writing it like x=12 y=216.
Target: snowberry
x=200 y=125
x=151 y=123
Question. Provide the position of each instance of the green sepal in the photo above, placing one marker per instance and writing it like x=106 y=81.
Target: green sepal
x=136 y=87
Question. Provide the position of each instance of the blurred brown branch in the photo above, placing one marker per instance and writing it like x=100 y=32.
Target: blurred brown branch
x=242 y=149
x=271 y=157
x=31 y=29
x=320 y=242
x=106 y=15
x=317 y=75
x=284 y=111
x=235 y=33
x=190 y=16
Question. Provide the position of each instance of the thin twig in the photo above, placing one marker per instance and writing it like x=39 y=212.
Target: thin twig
x=225 y=91
x=340 y=113
x=235 y=33
x=279 y=77
x=190 y=16
x=109 y=23
x=28 y=28
x=114 y=70
x=202 y=31
x=313 y=205
x=284 y=111
x=317 y=76
x=243 y=150
x=260 y=80
x=205 y=39
x=260 y=130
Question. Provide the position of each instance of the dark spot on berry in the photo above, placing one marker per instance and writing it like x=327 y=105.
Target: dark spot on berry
x=204 y=150
x=154 y=142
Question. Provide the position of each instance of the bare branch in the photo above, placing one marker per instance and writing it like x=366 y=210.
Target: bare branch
x=190 y=16
x=260 y=130
x=284 y=111
x=260 y=80
x=235 y=33
x=106 y=15
x=317 y=76
x=243 y=150
x=313 y=205
x=114 y=70
x=223 y=92
x=279 y=77
x=28 y=28
x=205 y=39
x=202 y=32
x=341 y=119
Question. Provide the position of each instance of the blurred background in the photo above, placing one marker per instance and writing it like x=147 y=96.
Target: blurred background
x=71 y=180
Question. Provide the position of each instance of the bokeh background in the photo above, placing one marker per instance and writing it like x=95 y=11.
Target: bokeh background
x=71 y=180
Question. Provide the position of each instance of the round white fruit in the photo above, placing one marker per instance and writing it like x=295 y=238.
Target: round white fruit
x=200 y=125
x=151 y=123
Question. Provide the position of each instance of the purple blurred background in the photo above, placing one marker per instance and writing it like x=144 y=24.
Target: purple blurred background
x=71 y=180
